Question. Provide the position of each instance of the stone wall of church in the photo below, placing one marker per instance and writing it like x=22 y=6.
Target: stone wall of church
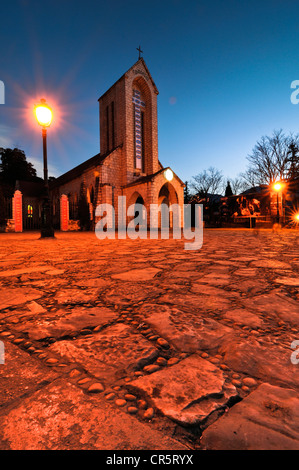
x=112 y=117
x=117 y=122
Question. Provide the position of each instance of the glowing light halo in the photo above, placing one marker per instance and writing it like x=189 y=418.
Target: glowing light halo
x=168 y=174
x=277 y=186
x=43 y=113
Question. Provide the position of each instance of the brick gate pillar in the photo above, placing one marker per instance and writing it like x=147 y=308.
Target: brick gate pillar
x=17 y=211
x=64 y=213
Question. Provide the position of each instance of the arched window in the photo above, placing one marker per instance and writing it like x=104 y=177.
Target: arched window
x=91 y=194
x=29 y=211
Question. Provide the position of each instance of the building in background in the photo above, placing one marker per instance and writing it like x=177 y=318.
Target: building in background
x=128 y=163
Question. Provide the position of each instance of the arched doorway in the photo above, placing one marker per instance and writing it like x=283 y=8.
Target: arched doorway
x=167 y=197
x=137 y=212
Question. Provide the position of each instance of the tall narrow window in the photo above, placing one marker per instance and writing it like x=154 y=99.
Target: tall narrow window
x=142 y=141
x=112 y=125
x=138 y=128
x=107 y=127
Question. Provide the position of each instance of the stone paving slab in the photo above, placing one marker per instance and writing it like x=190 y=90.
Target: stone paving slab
x=17 y=296
x=268 y=419
x=110 y=354
x=288 y=281
x=76 y=296
x=20 y=374
x=186 y=331
x=233 y=305
x=275 y=303
x=269 y=364
x=187 y=392
x=62 y=417
x=139 y=275
x=28 y=270
x=244 y=317
x=66 y=325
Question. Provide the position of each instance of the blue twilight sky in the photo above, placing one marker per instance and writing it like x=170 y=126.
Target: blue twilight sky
x=223 y=70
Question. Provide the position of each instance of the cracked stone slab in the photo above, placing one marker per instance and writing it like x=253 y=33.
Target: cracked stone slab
x=187 y=392
x=18 y=296
x=110 y=354
x=188 y=332
x=61 y=417
x=20 y=374
x=75 y=321
x=267 y=419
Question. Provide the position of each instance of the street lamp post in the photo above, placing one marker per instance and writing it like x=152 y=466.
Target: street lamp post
x=277 y=187
x=44 y=116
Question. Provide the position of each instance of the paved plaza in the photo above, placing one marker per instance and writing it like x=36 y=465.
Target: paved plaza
x=141 y=344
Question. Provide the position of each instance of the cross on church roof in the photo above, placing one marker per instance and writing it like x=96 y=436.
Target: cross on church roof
x=140 y=51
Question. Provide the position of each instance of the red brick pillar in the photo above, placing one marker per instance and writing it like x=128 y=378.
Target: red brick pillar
x=17 y=211
x=64 y=213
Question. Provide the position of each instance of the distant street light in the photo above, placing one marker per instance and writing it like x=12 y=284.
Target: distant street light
x=44 y=117
x=277 y=187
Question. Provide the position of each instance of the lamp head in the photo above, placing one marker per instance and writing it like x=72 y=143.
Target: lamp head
x=43 y=113
x=168 y=174
x=277 y=186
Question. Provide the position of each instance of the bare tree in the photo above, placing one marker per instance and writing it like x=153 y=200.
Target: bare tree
x=207 y=182
x=237 y=184
x=273 y=158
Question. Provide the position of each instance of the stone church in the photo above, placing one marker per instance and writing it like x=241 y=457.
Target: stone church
x=128 y=163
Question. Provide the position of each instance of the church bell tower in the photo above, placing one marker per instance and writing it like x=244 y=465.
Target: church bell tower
x=128 y=119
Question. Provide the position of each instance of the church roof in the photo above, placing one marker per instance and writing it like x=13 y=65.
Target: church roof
x=78 y=170
x=145 y=179
x=141 y=60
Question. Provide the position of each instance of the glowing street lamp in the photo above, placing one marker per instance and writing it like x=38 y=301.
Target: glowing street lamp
x=168 y=174
x=296 y=218
x=277 y=187
x=44 y=115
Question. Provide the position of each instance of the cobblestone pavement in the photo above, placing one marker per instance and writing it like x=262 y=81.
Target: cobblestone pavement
x=140 y=344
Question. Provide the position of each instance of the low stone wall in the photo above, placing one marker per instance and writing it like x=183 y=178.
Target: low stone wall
x=10 y=225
